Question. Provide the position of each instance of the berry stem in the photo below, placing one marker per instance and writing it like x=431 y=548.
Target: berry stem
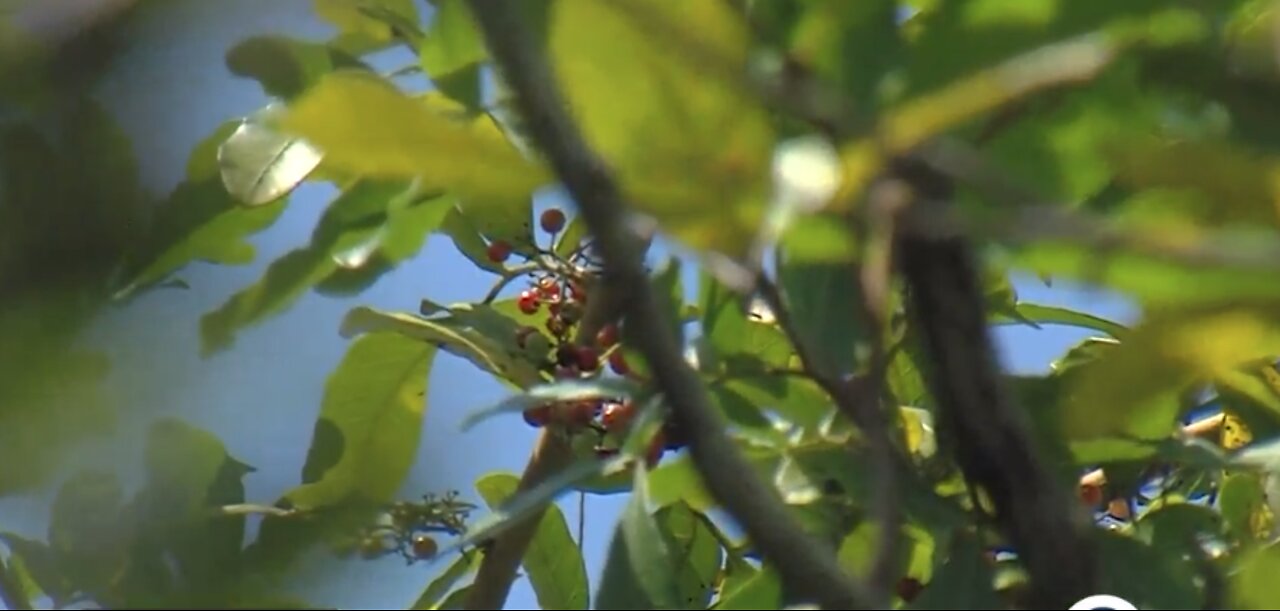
x=507 y=276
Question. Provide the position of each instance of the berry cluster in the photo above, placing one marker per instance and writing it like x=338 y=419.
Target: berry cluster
x=560 y=290
x=409 y=527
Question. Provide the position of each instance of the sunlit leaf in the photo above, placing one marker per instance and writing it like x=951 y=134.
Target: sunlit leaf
x=260 y=165
x=961 y=579
x=451 y=52
x=1045 y=314
x=374 y=21
x=695 y=550
x=552 y=560
x=825 y=305
x=367 y=433
x=40 y=565
x=366 y=126
x=439 y=587
x=762 y=590
x=688 y=146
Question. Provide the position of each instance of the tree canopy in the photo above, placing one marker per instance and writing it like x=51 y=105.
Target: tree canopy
x=827 y=423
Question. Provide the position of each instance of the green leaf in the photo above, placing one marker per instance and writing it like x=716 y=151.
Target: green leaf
x=1043 y=314
x=40 y=565
x=366 y=126
x=688 y=145
x=849 y=44
x=1253 y=584
x=536 y=498
x=452 y=51
x=260 y=165
x=199 y=222
x=818 y=238
x=1134 y=389
x=799 y=400
x=552 y=561
x=440 y=586
x=640 y=570
x=480 y=348
x=761 y=590
x=571 y=238
x=469 y=242
x=188 y=473
x=89 y=530
x=734 y=333
x=824 y=302
x=372 y=20
x=695 y=551
x=25 y=588
x=962 y=581
x=285 y=66
x=678 y=481
x=366 y=436
x=355 y=226
x=1146 y=576
x=562 y=390
x=1240 y=497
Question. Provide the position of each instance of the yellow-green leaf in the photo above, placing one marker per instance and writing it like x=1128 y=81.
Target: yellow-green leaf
x=688 y=146
x=366 y=126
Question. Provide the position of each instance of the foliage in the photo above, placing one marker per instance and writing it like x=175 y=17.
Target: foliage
x=1141 y=134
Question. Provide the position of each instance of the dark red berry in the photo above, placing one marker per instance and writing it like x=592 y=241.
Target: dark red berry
x=566 y=355
x=607 y=337
x=552 y=220
x=557 y=326
x=566 y=373
x=582 y=413
x=499 y=251
x=577 y=293
x=424 y=547
x=588 y=358
x=547 y=287
x=528 y=302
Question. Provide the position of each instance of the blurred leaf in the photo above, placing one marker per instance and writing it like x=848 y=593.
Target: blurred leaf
x=849 y=44
x=452 y=51
x=678 y=481
x=1242 y=187
x=962 y=580
x=440 y=586
x=640 y=571
x=25 y=588
x=824 y=301
x=1253 y=583
x=695 y=551
x=40 y=566
x=1239 y=498
x=1246 y=394
x=1145 y=576
x=481 y=349
x=762 y=590
x=571 y=238
x=1134 y=388
x=89 y=530
x=366 y=436
x=687 y=145
x=286 y=67
x=368 y=20
x=260 y=165
x=818 y=239
x=366 y=126
x=552 y=560
x=800 y=400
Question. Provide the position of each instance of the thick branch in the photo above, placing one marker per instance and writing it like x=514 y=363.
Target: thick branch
x=993 y=446
x=808 y=567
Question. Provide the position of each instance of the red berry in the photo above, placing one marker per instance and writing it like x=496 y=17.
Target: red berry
x=424 y=547
x=909 y=588
x=557 y=326
x=607 y=337
x=616 y=416
x=499 y=251
x=548 y=288
x=618 y=363
x=528 y=302
x=588 y=358
x=656 y=448
x=566 y=355
x=552 y=220
x=581 y=413
x=537 y=416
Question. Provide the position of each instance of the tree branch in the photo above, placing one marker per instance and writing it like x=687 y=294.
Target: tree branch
x=993 y=446
x=807 y=567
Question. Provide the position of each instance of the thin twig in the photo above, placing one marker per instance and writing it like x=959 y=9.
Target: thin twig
x=507 y=277
x=808 y=567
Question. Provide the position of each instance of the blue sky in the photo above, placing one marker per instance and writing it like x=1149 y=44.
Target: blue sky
x=261 y=397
